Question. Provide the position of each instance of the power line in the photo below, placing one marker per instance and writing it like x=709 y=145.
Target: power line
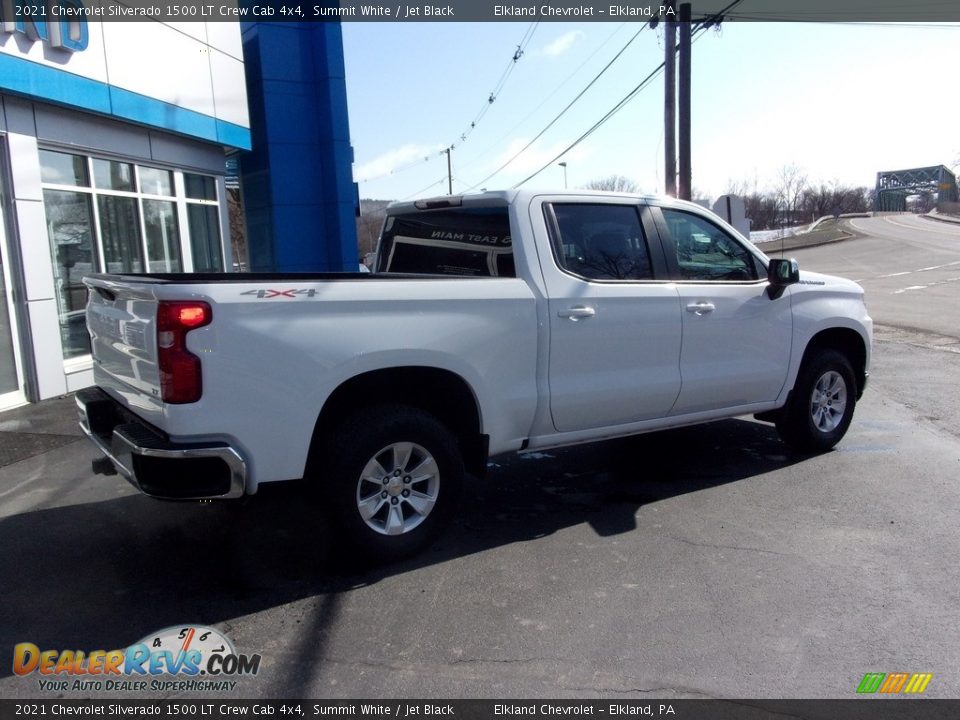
x=562 y=112
x=504 y=76
x=413 y=163
x=492 y=98
x=486 y=151
x=610 y=113
x=613 y=111
x=423 y=190
x=699 y=28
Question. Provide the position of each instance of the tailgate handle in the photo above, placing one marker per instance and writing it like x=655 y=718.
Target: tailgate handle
x=107 y=295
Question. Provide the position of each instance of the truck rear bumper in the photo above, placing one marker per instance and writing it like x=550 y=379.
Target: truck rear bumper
x=152 y=463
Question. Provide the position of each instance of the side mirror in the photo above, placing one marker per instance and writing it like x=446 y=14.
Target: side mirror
x=780 y=273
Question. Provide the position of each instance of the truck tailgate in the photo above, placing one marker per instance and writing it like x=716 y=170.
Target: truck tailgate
x=121 y=318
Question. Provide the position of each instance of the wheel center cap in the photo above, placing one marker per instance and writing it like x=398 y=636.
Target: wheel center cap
x=395 y=486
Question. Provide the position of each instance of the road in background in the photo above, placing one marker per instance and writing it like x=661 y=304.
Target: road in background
x=908 y=265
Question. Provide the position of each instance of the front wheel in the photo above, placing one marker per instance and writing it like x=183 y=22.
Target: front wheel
x=395 y=475
x=821 y=406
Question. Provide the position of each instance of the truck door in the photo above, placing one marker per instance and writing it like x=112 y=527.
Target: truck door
x=615 y=325
x=736 y=339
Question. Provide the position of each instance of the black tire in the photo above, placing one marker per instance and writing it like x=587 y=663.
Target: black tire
x=382 y=433
x=800 y=424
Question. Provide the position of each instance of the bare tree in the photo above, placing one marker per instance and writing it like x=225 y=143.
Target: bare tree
x=701 y=197
x=833 y=198
x=760 y=207
x=372 y=213
x=613 y=183
x=794 y=199
x=238 y=230
x=791 y=183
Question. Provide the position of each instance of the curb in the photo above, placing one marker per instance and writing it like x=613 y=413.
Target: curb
x=940 y=218
x=803 y=245
x=841 y=216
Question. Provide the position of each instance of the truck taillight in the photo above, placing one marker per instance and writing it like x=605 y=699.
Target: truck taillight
x=180 y=372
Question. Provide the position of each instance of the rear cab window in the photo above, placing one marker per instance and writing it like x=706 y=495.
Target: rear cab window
x=470 y=242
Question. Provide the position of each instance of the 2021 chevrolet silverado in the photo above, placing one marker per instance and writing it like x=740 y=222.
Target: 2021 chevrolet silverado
x=497 y=322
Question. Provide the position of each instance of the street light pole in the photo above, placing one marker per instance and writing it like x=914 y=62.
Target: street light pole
x=449 y=173
x=564 y=166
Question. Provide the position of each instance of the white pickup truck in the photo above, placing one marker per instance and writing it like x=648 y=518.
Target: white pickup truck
x=492 y=323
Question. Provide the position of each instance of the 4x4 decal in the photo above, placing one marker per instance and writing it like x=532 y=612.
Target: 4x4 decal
x=261 y=294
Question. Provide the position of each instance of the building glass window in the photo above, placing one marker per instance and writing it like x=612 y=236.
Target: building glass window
x=120 y=234
x=110 y=175
x=154 y=181
x=203 y=217
x=163 y=236
x=204 y=221
x=63 y=169
x=70 y=229
x=200 y=187
x=131 y=219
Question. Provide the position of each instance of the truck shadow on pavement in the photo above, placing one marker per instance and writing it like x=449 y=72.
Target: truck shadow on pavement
x=103 y=575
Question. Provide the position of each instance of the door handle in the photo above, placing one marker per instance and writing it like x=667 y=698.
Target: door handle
x=701 y=308
x=577 y=313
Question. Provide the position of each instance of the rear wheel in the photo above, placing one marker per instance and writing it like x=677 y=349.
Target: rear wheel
x=822 y=404
x=395 y=475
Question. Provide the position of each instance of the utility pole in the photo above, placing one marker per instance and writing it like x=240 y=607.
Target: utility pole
x=670 y=104
x=449 y=173
x=684 y=184
x=564 y=166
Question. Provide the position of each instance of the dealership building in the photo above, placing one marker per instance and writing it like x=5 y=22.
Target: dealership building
x=114 y=141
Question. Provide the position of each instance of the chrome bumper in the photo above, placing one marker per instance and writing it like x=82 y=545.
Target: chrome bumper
x=154 y=465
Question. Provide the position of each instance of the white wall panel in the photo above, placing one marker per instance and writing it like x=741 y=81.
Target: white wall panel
x=229 y=88
x=225 y=36
x=25 y=166
x=157 y=61
x=171 y=62
x=196 y=30
x=90 y=63
x=47 y=350
x=79 y=380
x=34 y=250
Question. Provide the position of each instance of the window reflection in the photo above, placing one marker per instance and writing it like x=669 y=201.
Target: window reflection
x=138 y=232
x=120 y=234
x=69 y=228
x=63 y=169
x=163 y=236
x=200 y=187
x=154 y=181
x=205 y=237
x=110 y=175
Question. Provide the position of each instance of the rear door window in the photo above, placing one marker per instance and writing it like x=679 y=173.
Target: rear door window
x=601 y=241
x=473 y=242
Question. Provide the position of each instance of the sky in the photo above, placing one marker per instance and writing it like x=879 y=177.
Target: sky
x=839 y=101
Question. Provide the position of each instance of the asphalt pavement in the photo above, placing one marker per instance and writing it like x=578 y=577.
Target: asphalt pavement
x=702 y=562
